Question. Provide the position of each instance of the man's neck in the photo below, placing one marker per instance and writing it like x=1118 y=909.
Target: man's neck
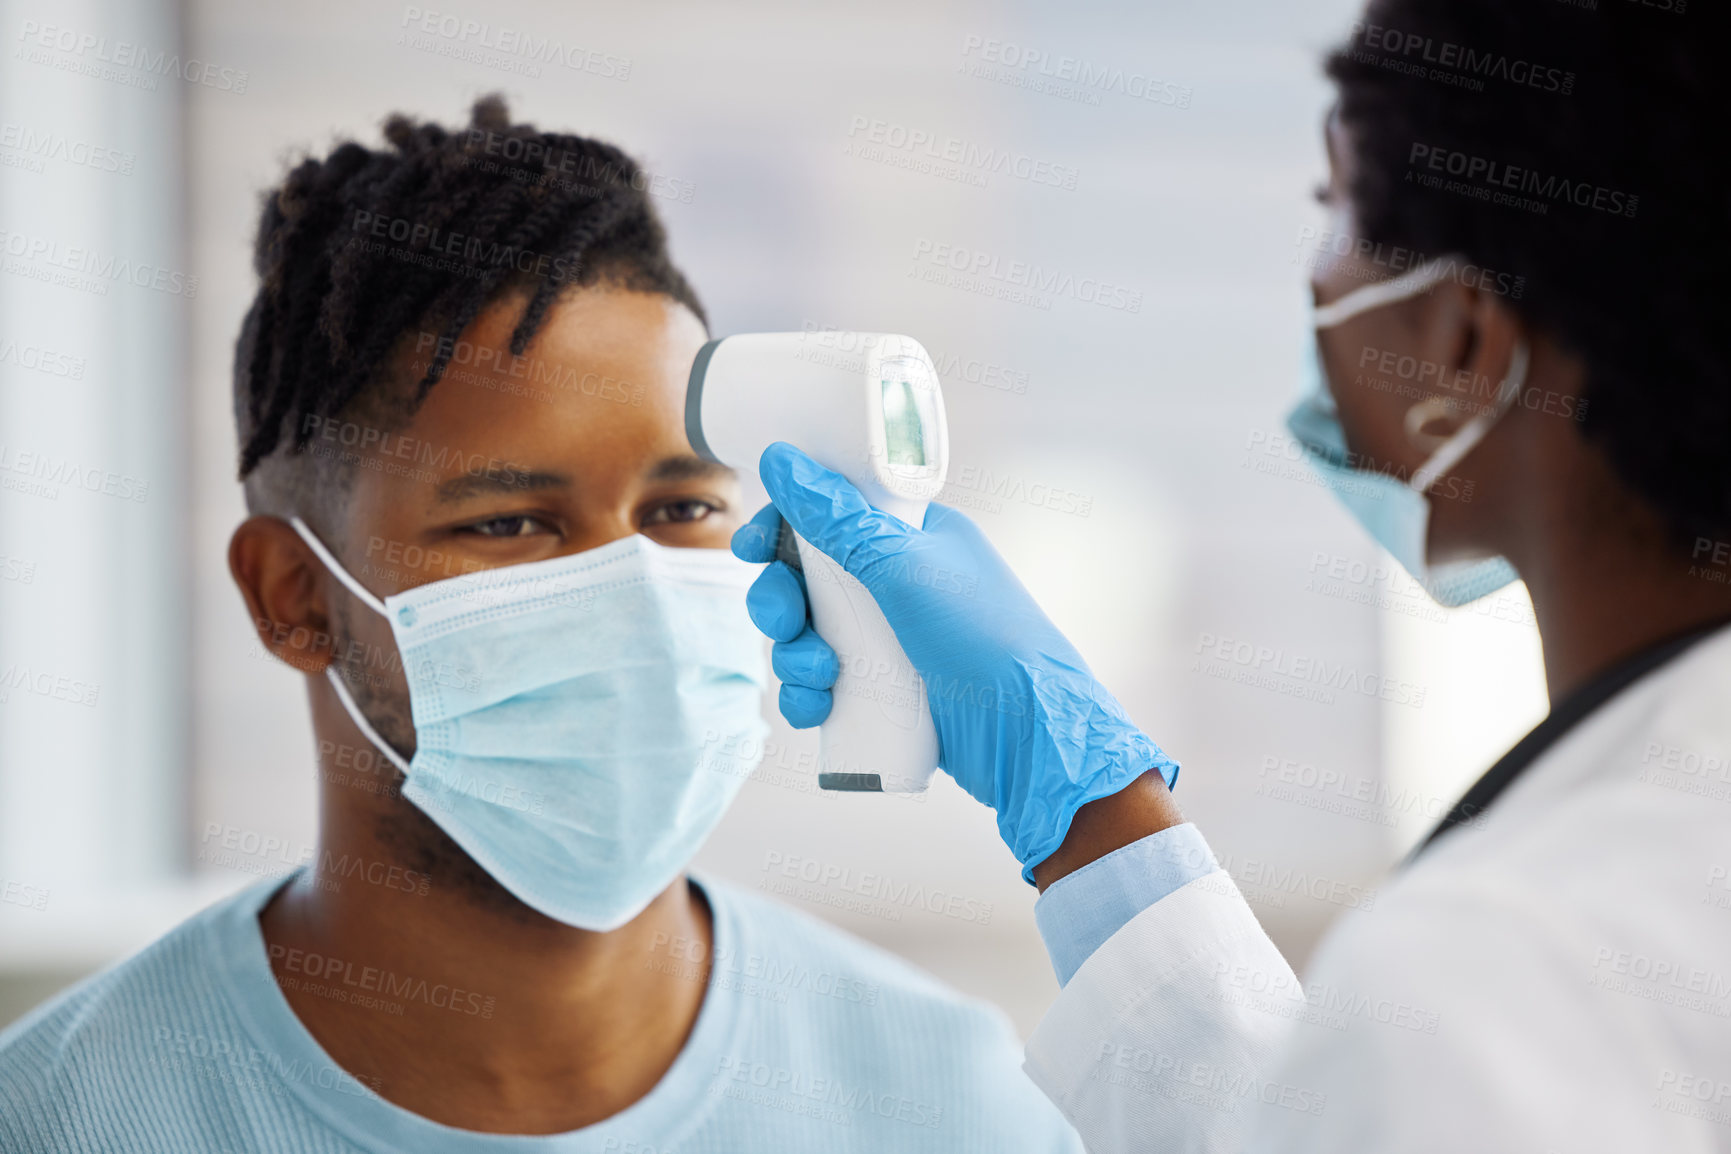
x=477 y=1015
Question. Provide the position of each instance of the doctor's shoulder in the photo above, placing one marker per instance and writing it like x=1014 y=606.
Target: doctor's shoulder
x=925 y=1065
x=1584 y=932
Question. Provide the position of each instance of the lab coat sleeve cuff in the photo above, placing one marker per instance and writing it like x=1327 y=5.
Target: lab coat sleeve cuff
x=1188 y=997
x=1080 y=910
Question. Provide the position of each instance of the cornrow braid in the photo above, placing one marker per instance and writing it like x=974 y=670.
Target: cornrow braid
x=356 y=250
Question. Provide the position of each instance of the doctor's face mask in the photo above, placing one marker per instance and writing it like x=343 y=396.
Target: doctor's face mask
x=1397 y=513
x=568 y=711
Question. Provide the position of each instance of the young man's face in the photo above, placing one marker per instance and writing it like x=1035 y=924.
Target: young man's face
x=579 y=442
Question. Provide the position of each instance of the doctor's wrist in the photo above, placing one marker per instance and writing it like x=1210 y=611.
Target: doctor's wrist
x=1143 y=807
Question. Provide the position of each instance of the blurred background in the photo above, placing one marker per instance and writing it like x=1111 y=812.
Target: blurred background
x=1123 y=448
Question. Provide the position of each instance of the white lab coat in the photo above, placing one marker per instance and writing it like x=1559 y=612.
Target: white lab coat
x=1556 y=977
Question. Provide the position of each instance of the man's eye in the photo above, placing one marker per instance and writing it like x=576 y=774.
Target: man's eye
x=518 y=526
x=677 y=511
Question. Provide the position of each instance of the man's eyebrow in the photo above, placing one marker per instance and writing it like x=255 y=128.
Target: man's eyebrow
x=497 y=481
x=686 y=467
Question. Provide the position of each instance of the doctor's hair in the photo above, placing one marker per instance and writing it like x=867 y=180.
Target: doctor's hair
x=358 y=252
x=1617 y=114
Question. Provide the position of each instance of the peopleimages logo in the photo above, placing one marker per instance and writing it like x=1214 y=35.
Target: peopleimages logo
x=470 y=255
x=41 y=359
x=479 y=38
x=886 y=141
x=437 y=458
x=1464 y=66
x=92 y=52
x=1488 y=176
x=54 y=146
x=1070 y=77
x=1310 y=677
x=46 y=683
x=49 y=254
x=568 y=169
x=986 y=273
x=1331 y=249
x=55 y=471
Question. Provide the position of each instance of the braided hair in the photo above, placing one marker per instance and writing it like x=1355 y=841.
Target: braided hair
x=358 y=249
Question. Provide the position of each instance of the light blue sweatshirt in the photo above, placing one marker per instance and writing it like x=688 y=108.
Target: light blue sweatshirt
x=807 y=1040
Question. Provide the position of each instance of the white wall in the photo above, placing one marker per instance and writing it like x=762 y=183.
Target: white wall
x=95 y=293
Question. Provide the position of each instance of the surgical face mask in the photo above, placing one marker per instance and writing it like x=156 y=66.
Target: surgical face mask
x=1398 y=514
x=580 y=721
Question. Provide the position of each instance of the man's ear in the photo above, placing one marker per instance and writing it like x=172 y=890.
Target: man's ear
x=282 y=583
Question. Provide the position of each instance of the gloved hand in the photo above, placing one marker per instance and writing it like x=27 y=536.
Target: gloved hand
x=1022 y=724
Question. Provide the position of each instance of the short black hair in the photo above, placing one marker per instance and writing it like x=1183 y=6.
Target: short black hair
x=1616 y=115
x=359 y=249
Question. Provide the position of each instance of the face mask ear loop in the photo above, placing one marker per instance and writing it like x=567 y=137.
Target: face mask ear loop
x=1471 y=433
x=1408 y=284
x=360 y=720
x=336 y=567
x=366 y=597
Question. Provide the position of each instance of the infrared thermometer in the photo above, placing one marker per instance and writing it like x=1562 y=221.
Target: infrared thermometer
x=868 y=406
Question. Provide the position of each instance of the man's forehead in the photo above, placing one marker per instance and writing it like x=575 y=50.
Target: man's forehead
x=601 y=322
x=595 y=350
x=600 y=386
x=466 y=486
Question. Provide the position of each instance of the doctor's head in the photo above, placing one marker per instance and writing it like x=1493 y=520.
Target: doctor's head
x=1548 y=181
x=468 y=350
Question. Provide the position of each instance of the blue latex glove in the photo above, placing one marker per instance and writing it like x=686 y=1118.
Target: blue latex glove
x=1022 y=724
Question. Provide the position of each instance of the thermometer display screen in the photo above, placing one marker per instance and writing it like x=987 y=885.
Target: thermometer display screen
x=910 y=411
